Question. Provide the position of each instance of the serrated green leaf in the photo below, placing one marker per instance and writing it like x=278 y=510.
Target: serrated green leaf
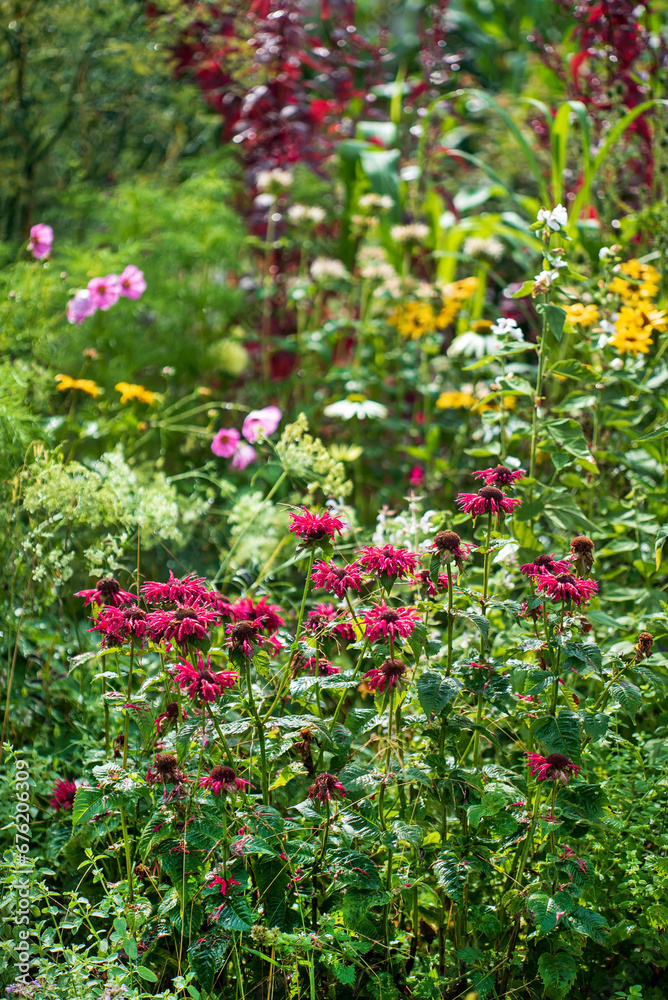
x=558 y=972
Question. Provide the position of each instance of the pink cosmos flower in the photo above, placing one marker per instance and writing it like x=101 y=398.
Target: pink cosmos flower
x=105 y=292
x=388 y=673
x=202 y=682
x=182 y=624
x=555 y=767
x=223 y=779
x=259 y=422
x=119 y=625
x=387 y=561
x=170 y=714
x=244 y=635
x=566 y=587
x=226 y=442
x=487 y=500
x=132 y=282
x=106 y=591
x=80 y=307
x=246 y=610
x=63 y=793
x=389 y=622
x=224 y=884
x=326 y=787
x=317 y=665
x=336 y=579
x=416 y=476
x=500 y=476
x=243 y=456
x=41 y=240
x=314 y=528
x=182 y=591
x=545 y=564
x=451 y=548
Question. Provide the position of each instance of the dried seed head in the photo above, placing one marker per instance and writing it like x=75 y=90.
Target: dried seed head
x=643 y=647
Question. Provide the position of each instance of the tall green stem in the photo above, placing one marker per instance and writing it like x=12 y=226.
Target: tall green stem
x=126 y=731
x=537 y=396
x=260 y=735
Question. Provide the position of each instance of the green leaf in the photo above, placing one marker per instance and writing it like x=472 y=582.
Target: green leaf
x=558 y=972
x=202 y=960
x=436 y=691
x=595 y=726
x=146 y=974
x=628 y=696
x=236 y=915
x=560 y=734
x=555 y=317
x=452 y=875
x=526 y=288
x=544 y=911
x=590 y=923
x=566 y=434
x=85 y=805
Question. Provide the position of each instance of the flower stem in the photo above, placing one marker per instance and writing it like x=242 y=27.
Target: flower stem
x=260 y=735
x=126 y=732
x=536 y=398
x=128 y=855
x=451 y=620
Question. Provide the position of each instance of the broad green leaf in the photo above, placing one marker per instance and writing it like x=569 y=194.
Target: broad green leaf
x=558 y=972
x=560 y=734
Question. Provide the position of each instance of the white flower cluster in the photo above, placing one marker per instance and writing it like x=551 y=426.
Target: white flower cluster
x=273 y=178
x=478 y=246
x=371 y=201
x=328 y=268
x=416 y=232
x=553 y=218
x=306 y=213
x=412 y=529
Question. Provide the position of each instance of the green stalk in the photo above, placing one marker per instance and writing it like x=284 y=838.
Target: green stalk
x=451 y=620
x=536 y=398
x=128 y=855
x=260 y=734
x=126 y=732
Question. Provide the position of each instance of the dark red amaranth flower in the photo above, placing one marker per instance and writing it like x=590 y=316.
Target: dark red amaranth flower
x=183 y=624
x=319 y=666
x=166 y=770
x=224 y=883
x=566 y=587
x=326 y=787
x=555 y=767
x=170 y=714
x=62 y=794
x=643 y=648
x=389 y=622
x=245 y=610
x=545 y=564
x=106 y=591
x=243 y=636
x=582 y=554
x=120 y=625
x=336 y=579
x=500 y=476
x=451 y=548
x=223 y=779
x=385 y=560
x=183 y=591
x=315 y=528
x=388 y=673
x=202 y=682
x=488 y=500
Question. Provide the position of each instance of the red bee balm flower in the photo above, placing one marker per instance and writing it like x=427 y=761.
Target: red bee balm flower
x=62 y=795
x=223 y=779
x=243 y=636
x=387 y=561
x=566 y=587
x=488 y=500
x=545 y=564
x=246 y=611
x=451 y=548
x=202 y=682
x=223 y=883
x=315 y=528
x=183 y=623
x=555 y=767
x=183 y=591
x=500 y=476
x=318 y=666
x=390 y=622
x=166 y=769
x=336 y=579
x=120 y=625
x=390 y=672
x=107 y=591
x=326 y=787
x=322 y=619
x=170 y=714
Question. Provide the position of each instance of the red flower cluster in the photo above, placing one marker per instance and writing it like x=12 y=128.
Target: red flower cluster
x=62 y=794
x=488 y=500
x=566 y=587
x=336 y=579
x=501 y=475
x=388 y=673
x=202 y=682
x=326 y=787
x=315 y=528
x=223 y=779
x=555 y=767
x=385 y=560
x=545 y=564
x=106 y=591
x=390 y=623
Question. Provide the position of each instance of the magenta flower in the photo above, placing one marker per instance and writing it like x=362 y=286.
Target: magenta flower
x=388 y=673
x=545 y=564
x=41 y=240
x=186 y=590
x=566 y=587
x=106 y=591
x=201 y=681
x=246 y=610
x=183 y=624
x=555 y=767
x=387 y=561
x=390 y=622
x=500 y=476
x=244 y=635
x=105 y=292
x=488 y=500
x=166 y=769
x=120 y=625
x=62 y=794
x=132 y=282
x=326 y=787
x=323 y=617
x=314 y=528
x=223 y=779
x=243 y=456
x=317 y=665
x=226 y=442
x=336 y=579
x=170 y=714
x=416 y=476
x=224 y=884
x=451 y=548
x=261 y=422
x=80 y=307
